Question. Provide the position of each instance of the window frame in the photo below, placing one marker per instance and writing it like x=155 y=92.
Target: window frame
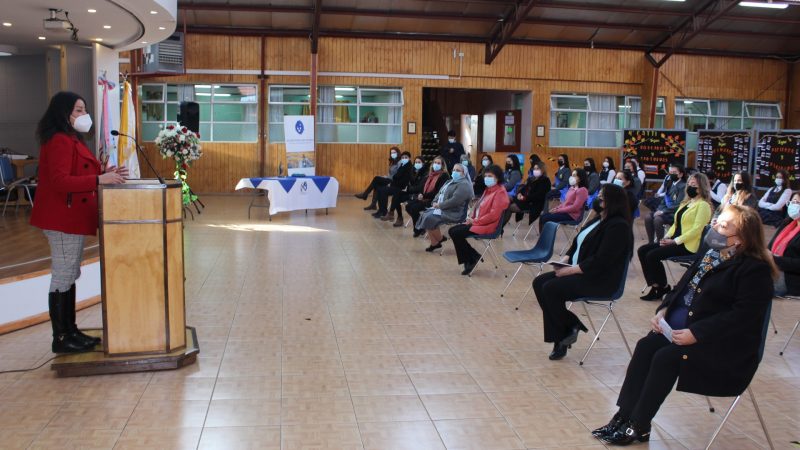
x=588 y=132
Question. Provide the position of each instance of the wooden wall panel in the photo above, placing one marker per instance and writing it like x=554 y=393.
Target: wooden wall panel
x=538 y=69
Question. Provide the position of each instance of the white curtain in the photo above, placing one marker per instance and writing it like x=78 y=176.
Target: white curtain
x=276 y=111
x=634 y=112
x=603 y=121
x=396 y=114
x=327 y=114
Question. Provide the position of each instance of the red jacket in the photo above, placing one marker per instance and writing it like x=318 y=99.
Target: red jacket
x=490 y=210
x=66 y=196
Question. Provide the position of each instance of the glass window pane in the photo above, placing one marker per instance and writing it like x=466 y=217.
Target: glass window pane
x=239 y=94
x=276 y=133
x=152 y=93
x=660 y=122
x=633 y=121
x=604 y=139
x=726 y=123
x=336 y=133
x=202 y=93
x=235 y=132
x=205 y=112
x=692 y=107
x=606 y=103
x=763 y=111
x=691 y=123
x=150 y=131
x=172 y=112
x=290 y=94
x=567 y=138
x=229 y=112
x=152 y=112
x=205 y=131
x=580 y=103
x=379 y=134
x=661 y=107
x=369 y=96
x=726 y=108
x=341 y=95
x=172 y=92
x=381 y=114
x=288 y=110
x=337 y=114
x=568 y=120
x=603 y=121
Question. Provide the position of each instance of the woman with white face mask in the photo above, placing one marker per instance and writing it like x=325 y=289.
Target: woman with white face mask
x=772 y=206
x=66 y=208
x=785 y=249
x=381 y=180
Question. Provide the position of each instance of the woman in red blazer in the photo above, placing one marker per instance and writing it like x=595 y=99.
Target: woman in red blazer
x=66 y=208
x=483 y=220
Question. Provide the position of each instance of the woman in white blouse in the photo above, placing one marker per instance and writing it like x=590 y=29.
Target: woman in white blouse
x=772 y=206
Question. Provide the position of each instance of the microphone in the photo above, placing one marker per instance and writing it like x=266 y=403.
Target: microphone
x=139 y=149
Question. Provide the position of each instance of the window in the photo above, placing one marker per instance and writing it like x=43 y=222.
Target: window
x=349 y=114
x=698 y=114
x=591 y=120
x=228 y=113
x=634 y=105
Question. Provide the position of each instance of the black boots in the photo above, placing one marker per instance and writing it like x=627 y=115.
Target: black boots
x=610 y=428
x=627 y=434
x=656 y=293
x=71 y=324
x=66 y=336
x=560 y=348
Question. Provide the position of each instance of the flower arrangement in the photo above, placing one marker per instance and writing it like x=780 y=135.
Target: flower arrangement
x=182 y=145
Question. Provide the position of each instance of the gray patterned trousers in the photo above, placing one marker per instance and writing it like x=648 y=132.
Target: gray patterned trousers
x=66 y=251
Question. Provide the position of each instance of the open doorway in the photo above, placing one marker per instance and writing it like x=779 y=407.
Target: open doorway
x=484 y=120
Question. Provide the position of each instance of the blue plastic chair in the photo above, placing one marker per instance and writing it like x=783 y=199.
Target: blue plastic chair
x=8 y=184
x=487 y=239
x=688 y=260
x=563 y=192
x=539 y=254
x=607 y=302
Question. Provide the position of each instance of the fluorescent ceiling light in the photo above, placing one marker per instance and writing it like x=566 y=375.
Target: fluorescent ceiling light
x=6 y=24
x=99 y=39
x=674 y=0
x=107 y=27
x=688 y=102
x=161 y=28
x=91 y=11
x=41 y=38
x=347 y=89
x=154 y=12
x=765 y=5
x=203 y=86
x=5 y=54
x=222 y=95
x=203 y=94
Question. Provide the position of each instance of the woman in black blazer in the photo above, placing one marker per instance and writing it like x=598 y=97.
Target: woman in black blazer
x=785 y=249
x=399 y=183
x=597 y=256
x=717 y=313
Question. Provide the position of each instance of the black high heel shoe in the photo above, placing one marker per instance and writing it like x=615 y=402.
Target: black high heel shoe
x=656 y=293
x=627 y=434
x=608 y=429
x=573 y=335
x=559 y=351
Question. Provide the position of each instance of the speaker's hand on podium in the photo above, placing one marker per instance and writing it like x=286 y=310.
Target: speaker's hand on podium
x=111 y=178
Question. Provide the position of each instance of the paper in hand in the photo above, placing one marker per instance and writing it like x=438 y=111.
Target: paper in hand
x=666 y=330
x=437 y=212
x=555 y=263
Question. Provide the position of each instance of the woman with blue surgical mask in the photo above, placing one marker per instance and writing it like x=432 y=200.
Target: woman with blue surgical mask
x=785 y=249
x=627 y=180
x=381 y=180
x=419 y=174
x=772 y=206
x=449 y=205
x=436 y=178
x=397 y=184
x=478 y=186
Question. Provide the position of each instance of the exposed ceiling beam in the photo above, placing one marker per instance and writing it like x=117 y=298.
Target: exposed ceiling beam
x=690 y=28
x=270 y=32
x=315 y=26
x=488 y=18
x=504 y=30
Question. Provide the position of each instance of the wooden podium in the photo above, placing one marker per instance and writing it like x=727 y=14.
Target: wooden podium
x=142 y=277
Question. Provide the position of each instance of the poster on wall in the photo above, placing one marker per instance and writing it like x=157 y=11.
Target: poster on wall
x=299 y=133
x=655 y=150
x=777 y=150
x=725 y=151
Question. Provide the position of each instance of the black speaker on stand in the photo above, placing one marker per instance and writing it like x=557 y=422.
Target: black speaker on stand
x=189 y=117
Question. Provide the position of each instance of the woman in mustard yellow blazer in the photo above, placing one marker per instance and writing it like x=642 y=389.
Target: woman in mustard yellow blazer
x=682 y=239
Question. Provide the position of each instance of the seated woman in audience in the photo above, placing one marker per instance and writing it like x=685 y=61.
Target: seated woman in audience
x=513 y=173
x=785 y=249
x=597 y=261
x=449 y=206
x=664 y=213
x=592 y=178
x=637 y=169
x=772 y=206
x=419 y=173
x=716 y=313
x=484 y=219
x=470 y=169
x=397 y=184
x=561 y=179
x=609 y=172
x=740 y=192
x=718 y=188
x=682 y=239
x=436 y=178
x=532 y=161
x=530 y=196
x=572 y=207
x=381 y=181
x=638 y=181
x=477 y=182
x=626 y=180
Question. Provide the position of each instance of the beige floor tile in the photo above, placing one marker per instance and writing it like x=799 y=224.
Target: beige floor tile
x=247 y=388
x=431 y=363
x=321 y=436
x=491 y=380
x=421 y=346
x=377 y=364
x=313 y=386
x=296 y=411
x=241 y=438
x=48 y=390
x=75 y=438
x=111 y=415
x=194 y=388
x=243 y=413
x=444 y=383
x=26 y=416
x=389 y=408
x=379 y=384
x=459 y=406
x=14 y=439
x=148 y=439
x=400 y=436
x=479 y=434
x=545 y=430
x=155 y=414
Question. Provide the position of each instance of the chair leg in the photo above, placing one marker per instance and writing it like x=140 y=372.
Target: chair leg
x=794 y=330
x=711 y=408
x=512 y=280
x=760 y=418
x=589 y=318
x=774 y=328
x=619 y=327
x=596 y=338
x=722 y=424
x=669 y=269
x=408 y=222
x=494 y=255
x=514 y=233
x=530 y=287
x=533 y=225
x=486 y=249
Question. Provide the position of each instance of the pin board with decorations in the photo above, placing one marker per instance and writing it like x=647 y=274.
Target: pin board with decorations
x=777 y=150
x=655 y=150
x=726 y=152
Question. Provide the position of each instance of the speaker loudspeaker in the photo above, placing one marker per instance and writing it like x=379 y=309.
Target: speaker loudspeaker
x=189 y=116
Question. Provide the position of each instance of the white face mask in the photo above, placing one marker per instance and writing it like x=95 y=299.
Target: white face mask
x=537 y=173
x=605 y=164
x=83 y=123
x=573 y=181
x=779 y=182
x=451 y=140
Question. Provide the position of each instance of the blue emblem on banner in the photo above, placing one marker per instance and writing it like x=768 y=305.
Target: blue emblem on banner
x=298 y=126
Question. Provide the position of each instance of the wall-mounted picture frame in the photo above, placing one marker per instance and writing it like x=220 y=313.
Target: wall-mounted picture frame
x=539 y=130
x=411 y=128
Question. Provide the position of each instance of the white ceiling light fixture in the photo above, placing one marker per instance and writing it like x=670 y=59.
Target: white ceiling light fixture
x=107 y=27
x=688 y=102
x=767 y=4
x=41 y=38
x=7 y=50
x=162 y=28
x=91 y=11
x=153 y=12
x=98 y=39
x=7 y=24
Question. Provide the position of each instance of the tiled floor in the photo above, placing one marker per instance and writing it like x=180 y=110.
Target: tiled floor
x=339 y=332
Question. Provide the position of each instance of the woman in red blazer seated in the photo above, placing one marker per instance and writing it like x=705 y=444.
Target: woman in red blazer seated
x=483 y=220
x=66 y=208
